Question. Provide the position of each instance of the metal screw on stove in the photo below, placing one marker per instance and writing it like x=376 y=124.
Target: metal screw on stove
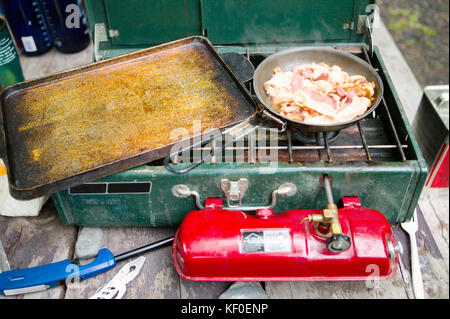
x=393 y=250
x=286 y=190
x=442 y=99
x=338 y=242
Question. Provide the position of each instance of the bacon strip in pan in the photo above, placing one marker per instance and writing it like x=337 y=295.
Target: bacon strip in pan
x=319 y=94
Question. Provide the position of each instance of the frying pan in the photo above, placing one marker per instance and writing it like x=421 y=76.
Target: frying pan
x=286 y=59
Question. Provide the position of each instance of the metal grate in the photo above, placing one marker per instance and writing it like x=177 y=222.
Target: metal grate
x=288 y=149
x=391 y=123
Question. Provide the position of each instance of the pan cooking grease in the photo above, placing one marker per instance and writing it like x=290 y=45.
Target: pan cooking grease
x=265 y=142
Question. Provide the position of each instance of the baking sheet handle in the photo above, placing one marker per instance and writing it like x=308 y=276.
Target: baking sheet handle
x=236 y=132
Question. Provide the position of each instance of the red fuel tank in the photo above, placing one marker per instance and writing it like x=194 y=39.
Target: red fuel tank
x=222 y=245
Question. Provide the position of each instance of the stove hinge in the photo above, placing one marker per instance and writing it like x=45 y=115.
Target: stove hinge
x=365 y=26
x=99 y=36
x=362 y=23
x=368 y=22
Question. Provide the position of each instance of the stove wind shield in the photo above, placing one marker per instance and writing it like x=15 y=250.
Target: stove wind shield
x=376 y=159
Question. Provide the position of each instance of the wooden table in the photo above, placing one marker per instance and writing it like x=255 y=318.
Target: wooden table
x=32 y=241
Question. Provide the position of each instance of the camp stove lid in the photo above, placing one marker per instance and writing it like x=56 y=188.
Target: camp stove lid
x=258 y=26
x=284 y=21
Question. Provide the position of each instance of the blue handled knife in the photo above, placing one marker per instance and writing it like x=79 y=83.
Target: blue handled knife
x=40 y=278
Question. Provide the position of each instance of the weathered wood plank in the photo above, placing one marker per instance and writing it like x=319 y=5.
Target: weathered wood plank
x=406 y=277
x=54 y=61
x=157 y=279
x=434 y=275
x=34 y=241
x=423 y=239
x=383 y=289
x=435 y=270
x=202 y=289
x=279 y=290
x=433 y=250
x=4 y=263
x=438 y=199
x=438 y=229
x=4 y=266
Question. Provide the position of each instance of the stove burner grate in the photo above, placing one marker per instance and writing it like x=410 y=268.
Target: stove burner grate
x=374 y=138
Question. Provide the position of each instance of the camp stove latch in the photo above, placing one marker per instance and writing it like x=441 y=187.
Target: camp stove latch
x=234 y=191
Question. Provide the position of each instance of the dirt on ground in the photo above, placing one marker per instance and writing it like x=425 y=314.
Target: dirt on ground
x=421 y=31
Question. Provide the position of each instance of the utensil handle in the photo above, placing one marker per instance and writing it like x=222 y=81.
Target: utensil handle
x=415 y=269
x=40 y=278
x=144 y=249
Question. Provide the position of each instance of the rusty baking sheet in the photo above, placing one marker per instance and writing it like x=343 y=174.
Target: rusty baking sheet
x=76 y=126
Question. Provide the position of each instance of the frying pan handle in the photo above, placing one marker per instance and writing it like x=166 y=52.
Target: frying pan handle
x=276 y=119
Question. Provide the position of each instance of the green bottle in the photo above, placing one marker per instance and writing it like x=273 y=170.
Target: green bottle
x=10 y=69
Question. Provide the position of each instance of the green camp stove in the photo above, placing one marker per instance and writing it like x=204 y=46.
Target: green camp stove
x=376 y=159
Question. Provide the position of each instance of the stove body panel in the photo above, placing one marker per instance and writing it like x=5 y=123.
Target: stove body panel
x=389 y=188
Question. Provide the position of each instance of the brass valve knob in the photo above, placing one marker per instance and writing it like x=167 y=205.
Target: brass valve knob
x=338 y=242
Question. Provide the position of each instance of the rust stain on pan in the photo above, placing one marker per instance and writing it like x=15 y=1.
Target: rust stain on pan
x=94 y=118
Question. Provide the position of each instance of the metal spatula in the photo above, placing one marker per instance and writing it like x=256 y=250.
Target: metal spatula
x=411 y=228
